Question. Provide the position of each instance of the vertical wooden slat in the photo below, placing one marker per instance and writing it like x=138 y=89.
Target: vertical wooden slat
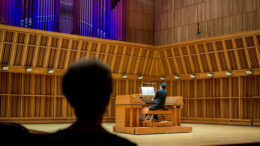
x=240 y=93
x=199 y=58
x=43 y=90
x=208 y=58
x=106 y=53
x=175 y=62
x=36 y=51
x=167 y=61
x=145 y=67
x=130 y=61
x=109 y=109
x=22 y=98
x=127 y=87
x=191 y=61
x=152 y=63
x=204 y=101
x=195 y=96
x=122 y=59
x=24 y=52
x=137 y=117
x=138 y=60
x=249 y=63
x=182 y=60
x=257 y=47
x=2 y=43
x=79 y=50
x=98 y=50
x=221 y=98
x=12 y=56
x=32 y=92
x=54 y=97
x=238 y=62
x=114 y=58
x=9 y=91
x=214 y=98
x=230 y=98
x=89 y=49
x=217 y=57
x=57 y=58
x=47 y=52
x=226 y=55
x=67 y=59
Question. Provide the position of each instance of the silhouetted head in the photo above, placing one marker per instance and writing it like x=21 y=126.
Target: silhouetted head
x=163 y=85
x=87 y=84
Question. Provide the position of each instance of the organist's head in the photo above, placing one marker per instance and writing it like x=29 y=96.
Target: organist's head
x=163 y=85
x=87 y=84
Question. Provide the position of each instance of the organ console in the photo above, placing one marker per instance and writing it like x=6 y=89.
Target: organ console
x=132 y=115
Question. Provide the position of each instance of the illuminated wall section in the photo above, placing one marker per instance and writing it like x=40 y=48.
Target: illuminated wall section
x=96 y=18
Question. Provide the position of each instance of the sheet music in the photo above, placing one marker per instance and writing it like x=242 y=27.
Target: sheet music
x=147 y=91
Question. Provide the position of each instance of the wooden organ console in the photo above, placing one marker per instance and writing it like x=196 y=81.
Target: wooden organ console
x=132 y=115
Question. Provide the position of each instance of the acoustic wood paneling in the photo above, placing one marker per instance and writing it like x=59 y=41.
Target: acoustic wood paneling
x=36 y=97
x=226 y=99
x=177 y=20
x=225 y=53
x=139 y=23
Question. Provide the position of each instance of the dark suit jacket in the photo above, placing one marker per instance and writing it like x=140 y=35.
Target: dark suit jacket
x=160 y=99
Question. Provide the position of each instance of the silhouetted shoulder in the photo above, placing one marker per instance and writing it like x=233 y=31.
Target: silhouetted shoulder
x=99 y=137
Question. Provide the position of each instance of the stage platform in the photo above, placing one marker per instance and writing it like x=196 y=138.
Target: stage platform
x=202 y=134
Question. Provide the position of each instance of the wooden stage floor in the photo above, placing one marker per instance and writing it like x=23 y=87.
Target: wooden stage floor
x=202 y=134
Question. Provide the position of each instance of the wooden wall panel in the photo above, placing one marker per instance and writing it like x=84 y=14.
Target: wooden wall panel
x=227 y=104
x=38 y=95
x=139 y=23
x=180 y=18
